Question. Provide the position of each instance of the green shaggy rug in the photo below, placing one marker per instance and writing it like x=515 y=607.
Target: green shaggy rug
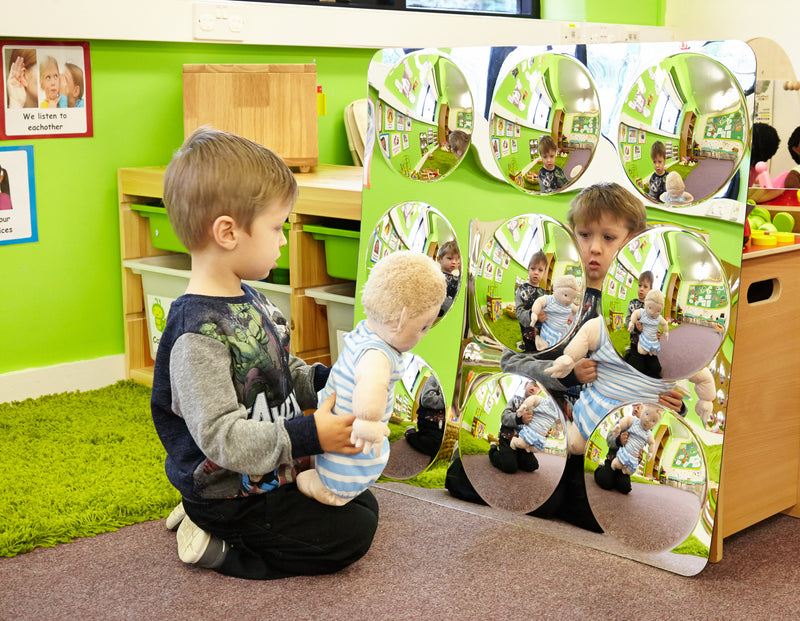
x=78 y=464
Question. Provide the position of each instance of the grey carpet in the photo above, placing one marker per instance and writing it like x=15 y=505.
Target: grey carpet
x=707 y=177
x=405 y=462
x=435 y=558
x=578 y=157
x=520 y=492
x=687 y=350
x=651 y=518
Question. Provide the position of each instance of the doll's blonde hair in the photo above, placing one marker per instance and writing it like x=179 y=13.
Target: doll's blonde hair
x=403 y=280
x=654 y=295
x=566 y=281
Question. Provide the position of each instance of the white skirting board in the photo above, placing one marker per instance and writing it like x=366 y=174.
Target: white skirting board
x=67 y=377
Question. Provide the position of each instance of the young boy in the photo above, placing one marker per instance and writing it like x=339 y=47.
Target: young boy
x=228 y=398
x=449 y=257
x=644 y=286
x=527 y=293
x=604 y=217
x=658 y=180
x=502 y=456
x=551 y=177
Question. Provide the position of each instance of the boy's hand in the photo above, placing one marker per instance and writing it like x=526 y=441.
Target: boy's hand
x=334 y=431
x=542 y=316
x=585 y=371
x=671 y=399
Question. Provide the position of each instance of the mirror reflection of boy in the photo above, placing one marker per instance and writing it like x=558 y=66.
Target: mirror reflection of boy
x=644 y=286
x=658 y=180
x=551 y=177
x=524 y=297
x=604 y=217
x=427 y=436
x=501 y=455
x=449 y=258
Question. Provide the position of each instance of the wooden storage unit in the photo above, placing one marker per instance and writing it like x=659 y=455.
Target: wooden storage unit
x=761 y=455
x=274 y=105
x=326 y=192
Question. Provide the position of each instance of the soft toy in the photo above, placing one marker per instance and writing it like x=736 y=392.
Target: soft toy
x=533 y=435
x=559 y=307
x=616 y=383
x=675 y=190
x=639 y=433
x=651 y=320
x=401 y=300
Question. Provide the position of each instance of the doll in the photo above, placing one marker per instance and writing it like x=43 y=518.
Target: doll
x=651 y=320
x=675 y=190
x=533 y=435
x=559 y=307
x=639 y=433
x=401 y=299
x=616 y=383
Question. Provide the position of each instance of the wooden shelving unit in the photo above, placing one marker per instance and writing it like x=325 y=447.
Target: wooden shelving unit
x=326 y=192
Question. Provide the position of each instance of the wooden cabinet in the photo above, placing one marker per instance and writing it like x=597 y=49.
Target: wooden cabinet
x=326 y=192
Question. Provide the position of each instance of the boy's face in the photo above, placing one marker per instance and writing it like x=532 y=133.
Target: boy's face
x=450 y=262
x=549 y=160
x=599 y=241
x=51 y=82
x=658 y=163
x=644 y=289
x=258 y=251
x=535 y=273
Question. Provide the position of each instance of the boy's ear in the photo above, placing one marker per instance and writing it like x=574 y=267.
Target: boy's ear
x=224 y=233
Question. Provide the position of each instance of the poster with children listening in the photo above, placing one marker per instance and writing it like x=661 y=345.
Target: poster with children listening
x=46 y=89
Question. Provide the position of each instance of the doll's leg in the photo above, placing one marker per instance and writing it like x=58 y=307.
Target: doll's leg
x=576 y=443
x=519 y=443
x=311 y=485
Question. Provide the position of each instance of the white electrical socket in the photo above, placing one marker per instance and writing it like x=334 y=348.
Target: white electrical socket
x=571 y=34
x=218 y=22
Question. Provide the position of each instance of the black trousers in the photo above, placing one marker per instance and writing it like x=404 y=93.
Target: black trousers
x=284 y=533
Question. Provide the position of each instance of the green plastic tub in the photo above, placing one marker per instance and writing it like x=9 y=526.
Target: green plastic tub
x=341 y=249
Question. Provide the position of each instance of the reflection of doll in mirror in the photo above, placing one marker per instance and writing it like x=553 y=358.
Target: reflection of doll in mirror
x=449 y=257
x=503 y=455
x=607 y=477
x=526 y=294
x=640 y=433
x=651 y=321
x=427 y=436
x=560 y=310
x=533 y=435
x=675 y=190
x=402 y=298
x=616 y=383
x=643 y=288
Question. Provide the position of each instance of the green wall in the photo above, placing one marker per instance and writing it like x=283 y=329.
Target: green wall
x=60 y=298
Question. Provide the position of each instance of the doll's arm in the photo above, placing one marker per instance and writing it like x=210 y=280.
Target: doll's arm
x=586 y=340
x=634 y=318
x=622 y=425
x=528 y=405
x=372 y=377
x=538 y=305
x=651 y=447
x=665 y=326
x=704 y=388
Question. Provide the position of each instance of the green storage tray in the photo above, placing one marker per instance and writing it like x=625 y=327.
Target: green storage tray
x=341 y=249
x=162 y=235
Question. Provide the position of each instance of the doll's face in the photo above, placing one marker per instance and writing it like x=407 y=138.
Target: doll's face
x=411 y=332
x=652 y=308
x=650 y=417
x=565 y=295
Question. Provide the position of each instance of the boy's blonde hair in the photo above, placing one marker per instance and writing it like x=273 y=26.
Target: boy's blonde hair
x=601 y=199
x=547 y=144
x=403 y=280
x=448 y=246
x=217 y=173
x=77 y=76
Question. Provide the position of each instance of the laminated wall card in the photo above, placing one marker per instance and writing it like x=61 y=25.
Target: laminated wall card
x=596 y=197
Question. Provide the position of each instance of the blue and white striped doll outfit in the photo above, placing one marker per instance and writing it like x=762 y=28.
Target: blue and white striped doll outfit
x=628 y=453
x=616 y=383
x=544 y=415
x=554 y=329
x=648 y=339
x=349 y=475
